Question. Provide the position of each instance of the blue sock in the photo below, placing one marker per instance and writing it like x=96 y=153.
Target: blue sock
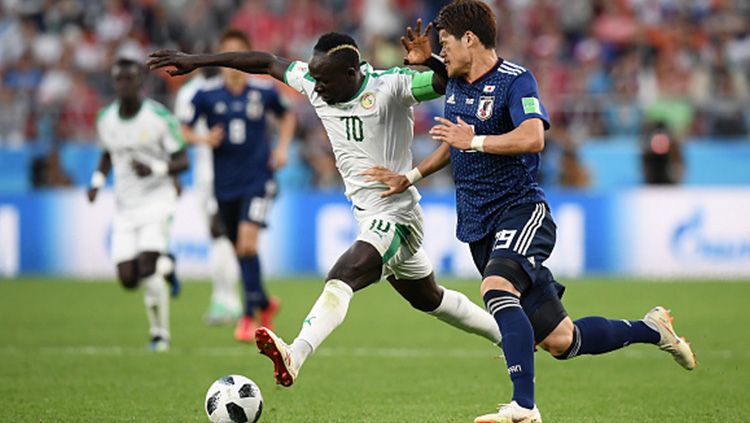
x=255 y=296
x=518 y=343
x=597 y=335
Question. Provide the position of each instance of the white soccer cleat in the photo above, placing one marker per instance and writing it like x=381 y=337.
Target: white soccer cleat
x=270 y=345
x=158 y=344
x=511 y=413
x=660 y=319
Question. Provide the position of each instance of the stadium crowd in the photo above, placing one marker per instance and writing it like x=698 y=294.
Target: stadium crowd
x=606 y=68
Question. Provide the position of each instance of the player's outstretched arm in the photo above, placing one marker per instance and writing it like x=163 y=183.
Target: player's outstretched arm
x=99 y=177
x=280 y=154
x=419 y=52
x=255 y=62
x=398 y=183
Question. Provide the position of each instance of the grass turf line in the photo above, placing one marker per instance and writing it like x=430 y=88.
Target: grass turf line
x=77 y=352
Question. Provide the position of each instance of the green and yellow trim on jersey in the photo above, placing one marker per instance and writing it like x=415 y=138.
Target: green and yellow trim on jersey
x=171 y=121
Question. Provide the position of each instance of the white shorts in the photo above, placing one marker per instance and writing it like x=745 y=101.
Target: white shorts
x=398 y=239
x=129 y=239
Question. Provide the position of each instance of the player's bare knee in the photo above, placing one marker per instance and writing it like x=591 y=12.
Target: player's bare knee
x=557 y=345
x=217 y=227
x=147 y=264
x=498 y=283
x=247 y=249
x=127 y=273
x=559 y=341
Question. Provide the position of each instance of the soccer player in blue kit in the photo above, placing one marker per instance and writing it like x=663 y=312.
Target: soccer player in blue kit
x=492 y=133
x=236 y=109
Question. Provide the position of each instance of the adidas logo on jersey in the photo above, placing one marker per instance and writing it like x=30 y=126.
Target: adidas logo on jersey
x=451 y=99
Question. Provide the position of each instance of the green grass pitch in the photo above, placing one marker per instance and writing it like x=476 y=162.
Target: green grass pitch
x=74 y=352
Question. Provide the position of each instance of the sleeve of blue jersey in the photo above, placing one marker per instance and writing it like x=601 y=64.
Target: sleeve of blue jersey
x=275 y=102
x=198 y=109
x=524 y=102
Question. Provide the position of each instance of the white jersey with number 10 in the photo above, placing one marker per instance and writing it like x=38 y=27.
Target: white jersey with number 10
x=374 y=128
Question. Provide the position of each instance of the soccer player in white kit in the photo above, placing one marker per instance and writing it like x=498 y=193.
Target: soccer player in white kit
x=225 y=304
x=369 y=120
x=141 y=141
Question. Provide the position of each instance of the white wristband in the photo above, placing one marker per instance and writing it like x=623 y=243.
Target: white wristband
x=159 y=168
x=413 y=176
x=98 y=179
x=477 y=143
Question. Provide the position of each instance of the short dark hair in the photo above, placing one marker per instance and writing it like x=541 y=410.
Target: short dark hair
x=235 y=34
x=468 y=15
x=331 y=40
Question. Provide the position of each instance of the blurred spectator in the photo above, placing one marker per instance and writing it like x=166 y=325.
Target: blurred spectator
x=573 y=174
x=661 y=156
x=603 y=67
x=46 y=172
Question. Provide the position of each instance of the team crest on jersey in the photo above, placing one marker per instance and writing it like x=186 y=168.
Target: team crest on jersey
x=368 y=101
x=484 y=110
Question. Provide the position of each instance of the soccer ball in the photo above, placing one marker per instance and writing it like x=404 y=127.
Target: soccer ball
x=234 y=399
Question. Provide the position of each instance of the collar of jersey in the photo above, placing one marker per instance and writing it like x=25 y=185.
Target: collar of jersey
x=127 y=119
x=365 y=68
x=495 y=66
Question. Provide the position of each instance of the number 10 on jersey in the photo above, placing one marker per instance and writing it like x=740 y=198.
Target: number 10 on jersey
x=354 y=128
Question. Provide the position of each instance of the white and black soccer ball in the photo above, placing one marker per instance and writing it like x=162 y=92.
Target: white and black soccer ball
x=234 y=399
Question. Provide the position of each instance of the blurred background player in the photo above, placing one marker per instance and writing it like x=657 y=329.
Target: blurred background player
x=492 y=134
x=141 y=141
x=368 y=117
x=225 y=306
x=236 y=109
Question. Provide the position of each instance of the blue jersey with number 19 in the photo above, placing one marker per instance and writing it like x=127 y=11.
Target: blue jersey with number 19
x=487 y=184
x=241 y=161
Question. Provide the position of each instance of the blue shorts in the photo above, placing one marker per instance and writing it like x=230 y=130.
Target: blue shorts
x=525 y=234
x=252 y=207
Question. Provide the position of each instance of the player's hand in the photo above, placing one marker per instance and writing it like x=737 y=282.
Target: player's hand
x=215 y=135
x=183 y=63
x=458 y=134
x=396 y=182
x=91 y=194
x=279 y=157
x=141 y=169
x=417 y=44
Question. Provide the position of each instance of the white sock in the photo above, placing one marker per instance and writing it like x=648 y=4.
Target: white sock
x=225 y=274
x=156 y=299
x=458 y=311
x=326 y=314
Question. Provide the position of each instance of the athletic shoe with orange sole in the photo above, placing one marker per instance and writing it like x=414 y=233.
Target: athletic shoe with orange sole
x=245 y=329
x=511 y=413
x=660 y=320
x=267 y=315
x=273 y=347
